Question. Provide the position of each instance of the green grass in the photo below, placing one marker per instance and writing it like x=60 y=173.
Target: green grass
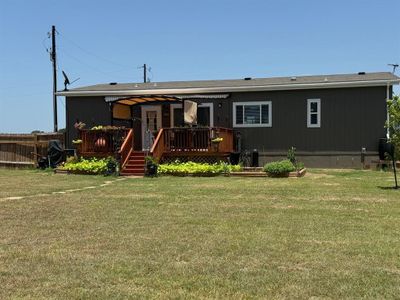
x=332 y=234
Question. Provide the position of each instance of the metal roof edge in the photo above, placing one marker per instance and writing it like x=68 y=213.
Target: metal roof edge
x=256 y=88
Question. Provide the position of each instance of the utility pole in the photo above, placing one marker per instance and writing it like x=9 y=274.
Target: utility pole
x=394 y=67
x=144 y=73
x=53 y=58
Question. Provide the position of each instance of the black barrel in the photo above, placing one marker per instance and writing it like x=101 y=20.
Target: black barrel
x=382 y=148
x=254 y=158
x=234 y=158
x=385 y=148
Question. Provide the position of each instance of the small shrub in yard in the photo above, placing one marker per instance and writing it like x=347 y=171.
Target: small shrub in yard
x=299 y=166
x=291 y=156
x=151 y=166
x=196 y=169
x=279 y=167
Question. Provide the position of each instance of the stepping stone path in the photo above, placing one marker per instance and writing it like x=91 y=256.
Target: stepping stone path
x=106 y=183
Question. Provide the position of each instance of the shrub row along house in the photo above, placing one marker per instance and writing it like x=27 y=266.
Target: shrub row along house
x=332 y=120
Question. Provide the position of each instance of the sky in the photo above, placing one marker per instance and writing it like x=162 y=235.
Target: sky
x=107 y=41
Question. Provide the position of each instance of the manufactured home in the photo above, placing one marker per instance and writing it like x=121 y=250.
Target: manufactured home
x=332 y=120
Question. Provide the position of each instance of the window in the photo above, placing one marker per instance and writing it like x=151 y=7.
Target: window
x=314 y=113
x=205 y=114
x=252 y=114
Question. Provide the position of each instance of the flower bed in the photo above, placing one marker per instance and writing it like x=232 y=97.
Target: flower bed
x=196 y=169
x=92 y=166
x=256 y=172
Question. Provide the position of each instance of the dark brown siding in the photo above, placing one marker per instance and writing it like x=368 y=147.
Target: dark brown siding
x=351 y=118
x=92 y=111
x=165 y=118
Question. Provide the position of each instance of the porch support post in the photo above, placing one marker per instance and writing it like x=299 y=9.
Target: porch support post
x=131 y=109
x=112 y=113
x=183 y=113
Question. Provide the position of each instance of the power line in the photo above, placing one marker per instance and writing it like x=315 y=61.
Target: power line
x=94 y=54
x=89 y=66
x=44 y=45
x=82 y=62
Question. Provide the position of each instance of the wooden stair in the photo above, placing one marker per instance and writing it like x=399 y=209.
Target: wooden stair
x=135 y=165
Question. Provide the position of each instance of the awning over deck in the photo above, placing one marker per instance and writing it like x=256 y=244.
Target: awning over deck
x=142 y=99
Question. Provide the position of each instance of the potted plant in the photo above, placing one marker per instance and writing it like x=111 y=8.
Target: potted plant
x=151 y=166
x=78 y=145
x=215 y=142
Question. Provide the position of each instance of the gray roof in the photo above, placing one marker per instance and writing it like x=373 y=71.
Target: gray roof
x=231 y=85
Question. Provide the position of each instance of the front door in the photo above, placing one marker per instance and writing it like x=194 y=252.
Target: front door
x=151 y=124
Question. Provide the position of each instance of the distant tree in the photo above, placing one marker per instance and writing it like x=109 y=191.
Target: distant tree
x=62 y=130
x=37 y=131
x=394 y=123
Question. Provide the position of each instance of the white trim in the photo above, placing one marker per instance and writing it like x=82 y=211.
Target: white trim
x=269 y=103
x=224 y=89
x=210 y=105
x=318 y=101
x=387 y=111
x=144 y=109
x=179 y=105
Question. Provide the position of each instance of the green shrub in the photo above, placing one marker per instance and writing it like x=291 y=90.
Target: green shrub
x=150 y=160
x=299 y=165
x=92 y=165
x=279 y=167
x=197 y=169
x=291 y=155
x=394 y=123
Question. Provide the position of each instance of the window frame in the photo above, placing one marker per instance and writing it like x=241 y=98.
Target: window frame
x=259 y=103
x=318 y=113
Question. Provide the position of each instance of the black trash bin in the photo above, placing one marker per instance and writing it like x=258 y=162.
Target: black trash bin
x=234 y=158
x=254 y=158
x=382 y=148
x=385 y=148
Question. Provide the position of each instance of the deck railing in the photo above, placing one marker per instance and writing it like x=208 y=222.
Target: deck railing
x=192 y=140
x=158 y=147
x=101 y=142
x=126 y=148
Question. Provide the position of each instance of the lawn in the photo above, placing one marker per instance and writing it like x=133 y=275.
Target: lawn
x=332 y=234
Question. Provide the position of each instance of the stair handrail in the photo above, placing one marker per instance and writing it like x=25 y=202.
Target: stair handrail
x=157 y=149
x=126 y=148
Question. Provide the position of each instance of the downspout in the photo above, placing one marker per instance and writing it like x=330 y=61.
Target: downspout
x=387 y=110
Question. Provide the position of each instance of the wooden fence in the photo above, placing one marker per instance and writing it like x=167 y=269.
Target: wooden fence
x=20 y=149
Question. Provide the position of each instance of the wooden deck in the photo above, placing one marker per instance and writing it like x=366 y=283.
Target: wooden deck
x=192 y=142
x=170 y=142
